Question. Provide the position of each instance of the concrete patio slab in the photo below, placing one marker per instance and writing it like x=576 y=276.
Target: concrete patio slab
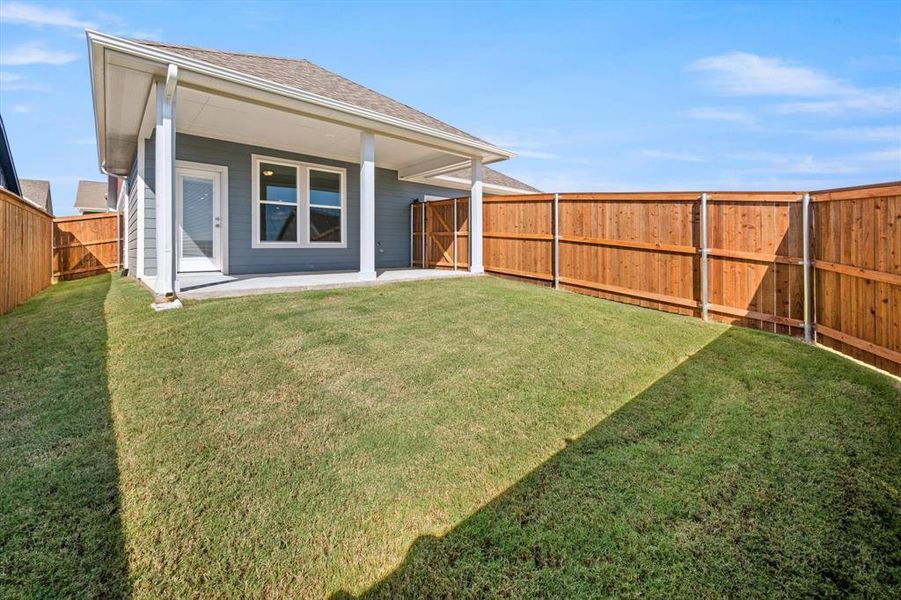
x=197 y=286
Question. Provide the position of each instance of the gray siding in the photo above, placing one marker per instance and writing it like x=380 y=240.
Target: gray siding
x=131 y=227
x=149 y=208
x=392 y=203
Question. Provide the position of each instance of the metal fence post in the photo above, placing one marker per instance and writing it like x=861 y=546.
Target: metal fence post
x=705 y=301
x=455 y=234
x=556 y=241
x=805 y=225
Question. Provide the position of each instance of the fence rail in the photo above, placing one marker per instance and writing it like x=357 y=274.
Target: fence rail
x=85 y=245
x=25 y=234
x=733 y=257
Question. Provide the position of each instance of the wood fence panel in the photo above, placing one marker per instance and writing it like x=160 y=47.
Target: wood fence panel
x=857 y=282
x=25 y=242
x=756 y=279
x=517 y=236
x=638 y=249
x=85 y=245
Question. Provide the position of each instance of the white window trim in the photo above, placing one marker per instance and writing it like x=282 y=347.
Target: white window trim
x=303 y=203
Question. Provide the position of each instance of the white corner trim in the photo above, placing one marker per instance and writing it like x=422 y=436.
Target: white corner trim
x=142 y=192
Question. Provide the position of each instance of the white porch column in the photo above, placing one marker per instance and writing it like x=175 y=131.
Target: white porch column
x=475 y=219
x=367 y=205
x=164 y=183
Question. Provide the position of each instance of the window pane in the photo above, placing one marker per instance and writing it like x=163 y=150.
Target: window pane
x=325 y=224
x=278 y=183
x=278 y=223
x=325 y=188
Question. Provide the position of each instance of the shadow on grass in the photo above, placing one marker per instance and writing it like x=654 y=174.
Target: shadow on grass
x=60 y=528
x=758 y=467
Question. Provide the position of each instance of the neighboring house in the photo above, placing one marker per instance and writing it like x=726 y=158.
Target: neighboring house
x=37 y=191
x=8 y=178
x=94 y=197
x=243 y=163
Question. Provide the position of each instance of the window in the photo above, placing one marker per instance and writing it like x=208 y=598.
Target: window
x=298 y=204
x=325 y=206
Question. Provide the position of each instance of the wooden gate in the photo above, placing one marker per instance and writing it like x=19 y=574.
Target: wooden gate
x=85 y=245
x=440 y=233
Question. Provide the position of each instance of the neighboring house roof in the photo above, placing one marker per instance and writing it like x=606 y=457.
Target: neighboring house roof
x=8 y=178
x=92 y=196
x=306 y=76
x=38 y=192
x=492 y=177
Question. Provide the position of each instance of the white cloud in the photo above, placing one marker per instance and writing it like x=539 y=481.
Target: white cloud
x=808 y=164
x=746 y=74
x=859 y=101
x=721 y=114
x=861 y=134
x=34 y=53
x=22 y=108
x=526 y=144
x=39 y=16
x=677 y=156
x=887 y=155
x=13 y=82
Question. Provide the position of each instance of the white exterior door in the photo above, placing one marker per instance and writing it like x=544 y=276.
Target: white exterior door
x=198 y=196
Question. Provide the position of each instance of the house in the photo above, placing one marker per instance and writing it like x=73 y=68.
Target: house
x=8 y=178
x=241 y=163
x=94 y=197
x=37 y=191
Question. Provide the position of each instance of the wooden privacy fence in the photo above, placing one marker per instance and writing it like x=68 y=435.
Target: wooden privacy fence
x=734 y=257
x=85 y=245
x=25 y=234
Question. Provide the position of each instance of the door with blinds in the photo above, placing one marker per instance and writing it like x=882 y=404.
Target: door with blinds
x=198 y=194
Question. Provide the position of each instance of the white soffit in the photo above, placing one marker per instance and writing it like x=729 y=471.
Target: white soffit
x=204 y=114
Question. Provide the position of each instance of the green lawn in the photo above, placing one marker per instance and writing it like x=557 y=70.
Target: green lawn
x=459 y=438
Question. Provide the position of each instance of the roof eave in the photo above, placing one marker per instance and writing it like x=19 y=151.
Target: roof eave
x=98 y=40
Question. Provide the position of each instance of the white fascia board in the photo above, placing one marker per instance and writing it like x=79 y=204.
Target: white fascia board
x=456 y=183
x=95 y=63
x=98 y=40
x=464 y=184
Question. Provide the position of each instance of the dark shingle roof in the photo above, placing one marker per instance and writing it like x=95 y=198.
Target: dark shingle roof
x=495 y=178
x=91 y=195
x=304 y=75
x=38 y=191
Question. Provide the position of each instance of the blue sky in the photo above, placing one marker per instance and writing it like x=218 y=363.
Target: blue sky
x=593 y=96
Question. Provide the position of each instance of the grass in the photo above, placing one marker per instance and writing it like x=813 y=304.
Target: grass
x=457 y=438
